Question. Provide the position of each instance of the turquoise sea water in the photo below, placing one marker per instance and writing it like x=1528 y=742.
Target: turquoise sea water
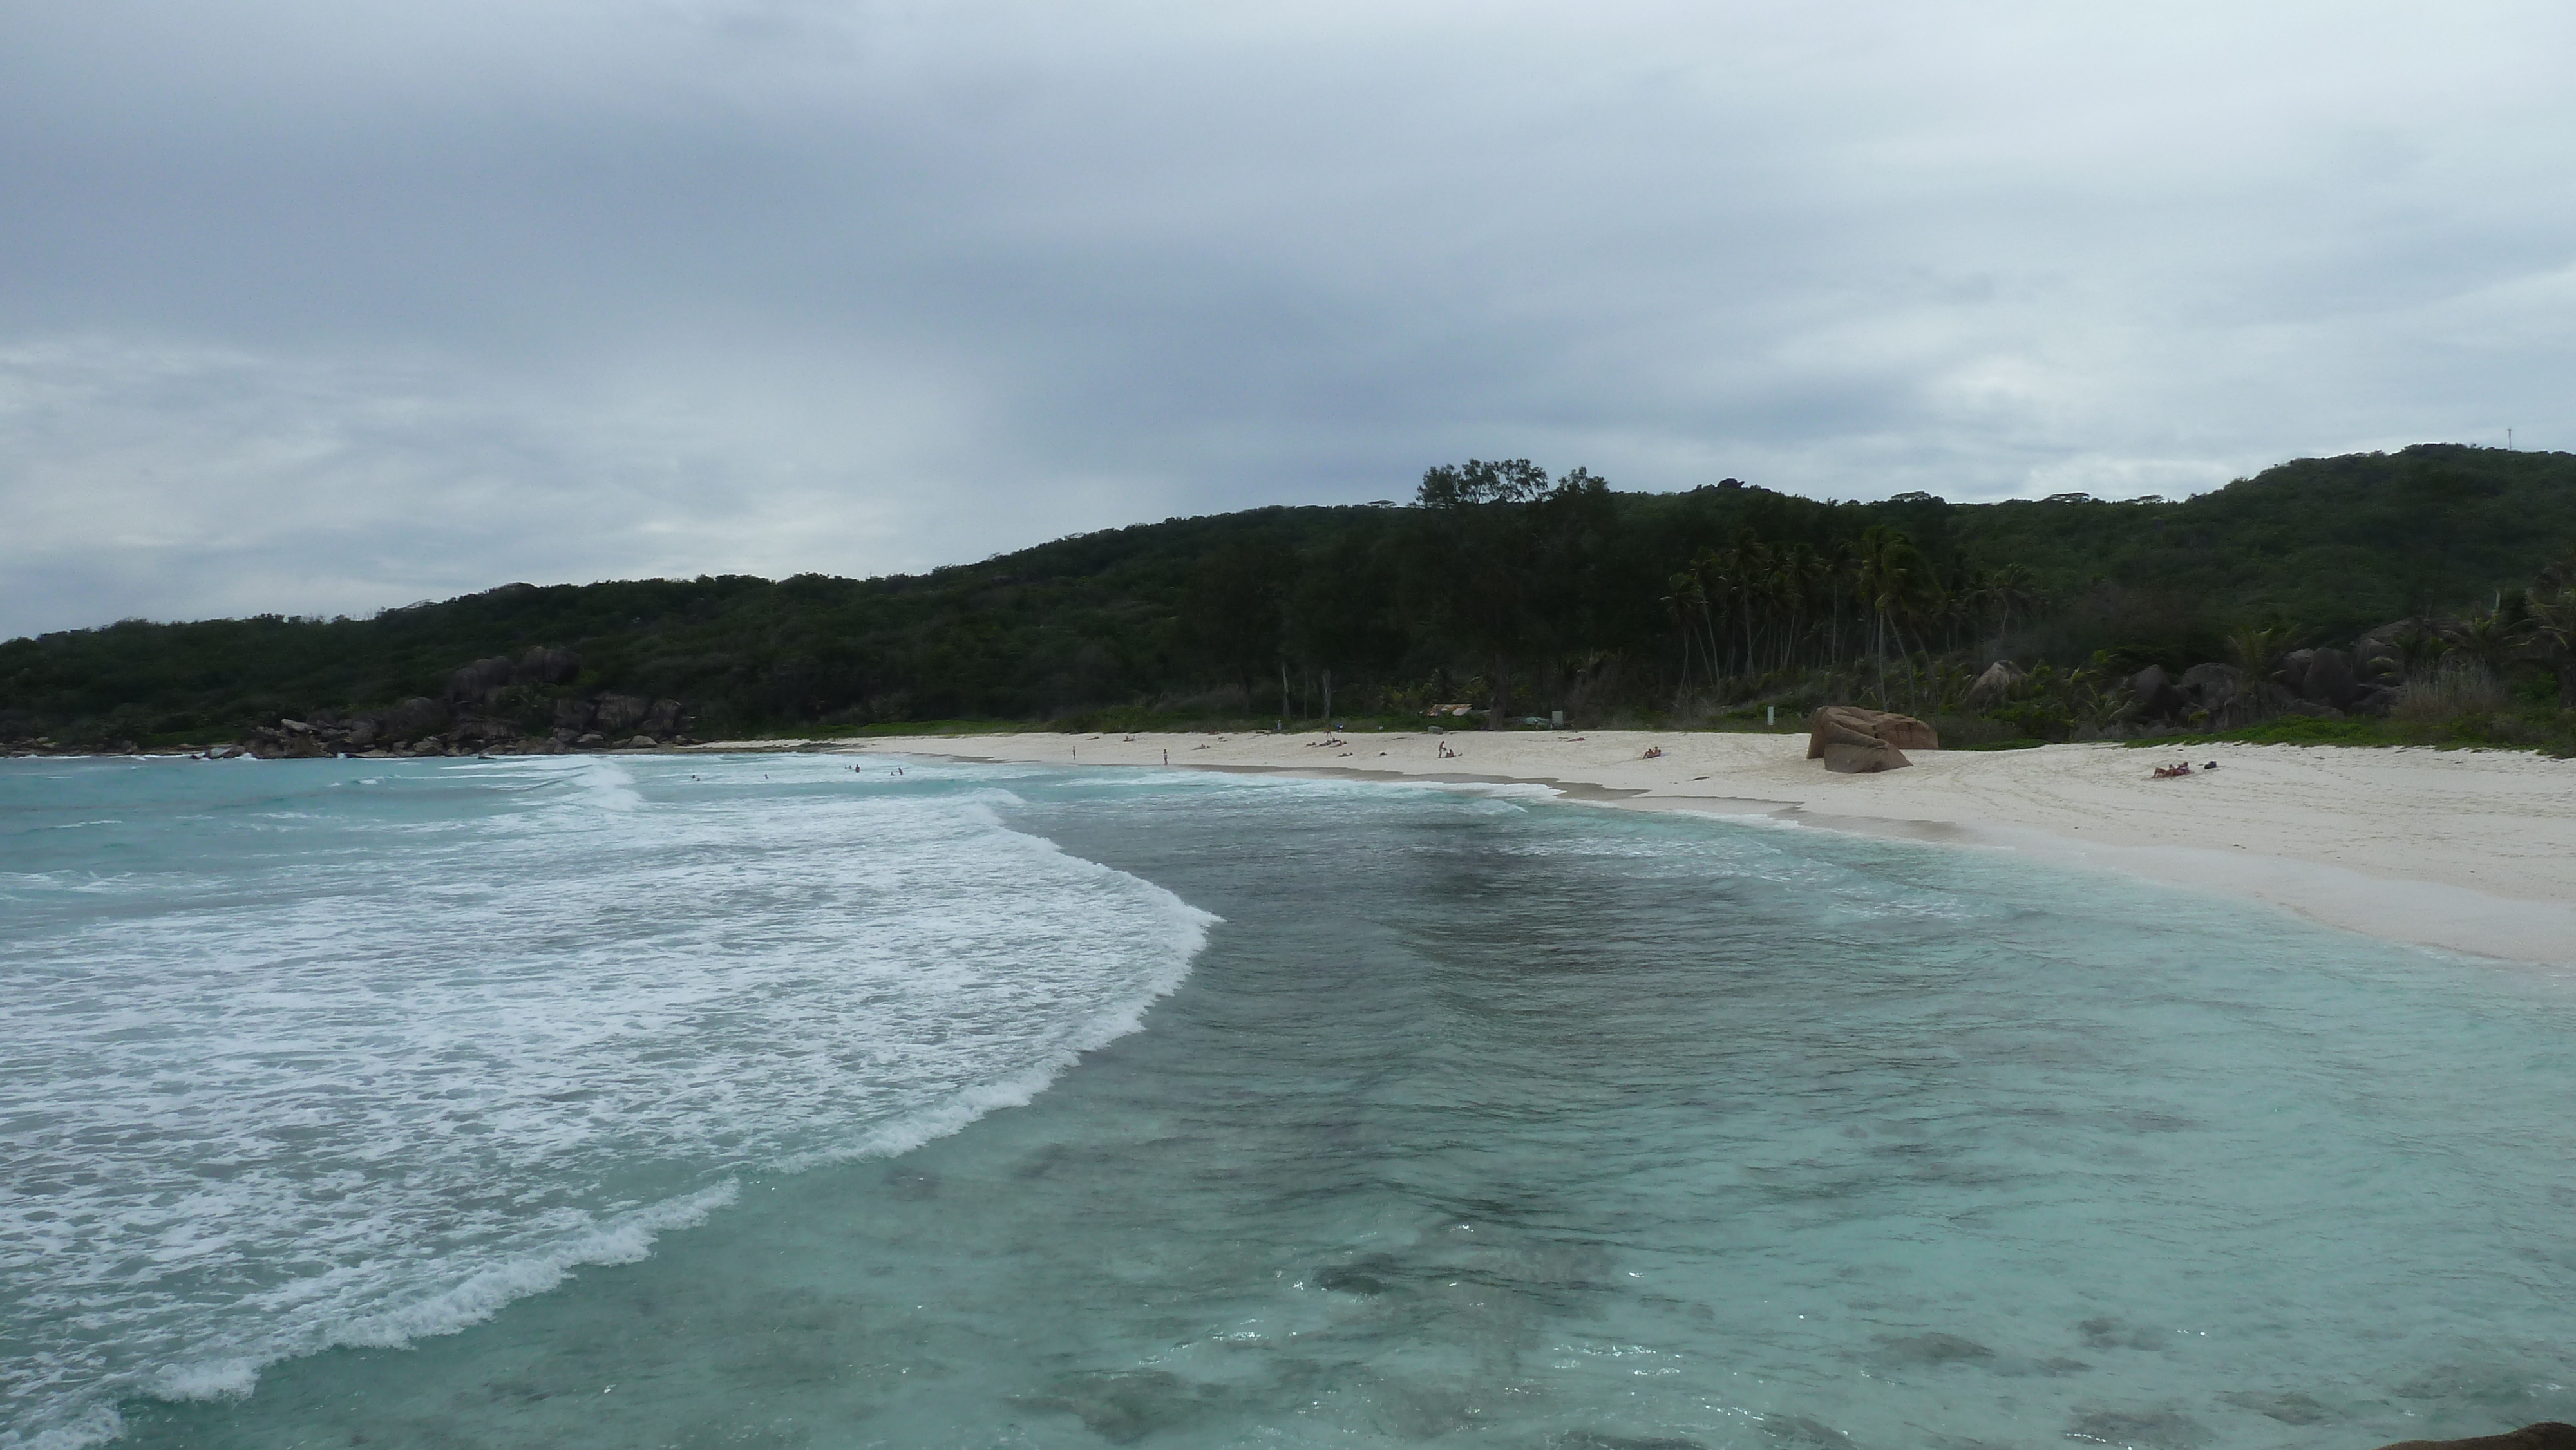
x=755 y=1101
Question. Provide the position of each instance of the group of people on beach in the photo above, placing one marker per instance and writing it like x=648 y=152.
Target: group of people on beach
x=2168 y=772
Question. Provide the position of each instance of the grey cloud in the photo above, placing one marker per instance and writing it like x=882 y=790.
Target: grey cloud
x=434 y=297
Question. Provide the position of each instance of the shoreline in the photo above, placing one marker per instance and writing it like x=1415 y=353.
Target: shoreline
x=2465 y=851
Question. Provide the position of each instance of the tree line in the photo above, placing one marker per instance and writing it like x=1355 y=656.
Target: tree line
x=1495 y=585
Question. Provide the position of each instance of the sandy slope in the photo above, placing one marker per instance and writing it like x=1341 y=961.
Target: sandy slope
x=2470 y=850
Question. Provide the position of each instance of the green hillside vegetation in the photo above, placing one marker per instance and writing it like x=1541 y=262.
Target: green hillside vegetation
x=1495 y=586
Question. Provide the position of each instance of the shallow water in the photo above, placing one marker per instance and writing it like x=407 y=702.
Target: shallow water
x=1476 y=1116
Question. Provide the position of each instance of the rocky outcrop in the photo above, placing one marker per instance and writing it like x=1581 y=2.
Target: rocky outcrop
x=2211 y=688
x=1995 y=683
x=2547 y=1435
x=2362 y=682
x=543 y=666
x=486 y=709
x=2321 y=682
x=413 y=718
x=479 y=685
x=481 y=730
x=476 y=684
x=289 y=740
x=613 y=713
x=2379 y=656
x=2324 y=675
x=2153 y=695
x=1854 y=741
x=1902 y=731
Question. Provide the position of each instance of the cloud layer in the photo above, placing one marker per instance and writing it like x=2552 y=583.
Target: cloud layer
x=317 y=307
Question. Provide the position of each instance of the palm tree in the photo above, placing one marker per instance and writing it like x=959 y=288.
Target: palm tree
x=2483 y=637
x=2252 y=649
x=2551 y=634
x=1809 y=577
x=1838 y=568
x=1749 y=563
x=1685 y=604
x=1708 y=567
x=2419 y=649
x=1884 y=568
x=2012 y=587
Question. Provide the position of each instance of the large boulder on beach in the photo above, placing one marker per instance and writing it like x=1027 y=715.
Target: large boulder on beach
x=1902 y=731
x=2547 y=1435
x=1854 y=741
x=1863 y=755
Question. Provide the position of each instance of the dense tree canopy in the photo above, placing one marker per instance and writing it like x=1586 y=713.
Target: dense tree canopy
x=1498 y=584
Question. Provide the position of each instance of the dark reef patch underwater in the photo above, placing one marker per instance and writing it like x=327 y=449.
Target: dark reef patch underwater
x=751 y=1102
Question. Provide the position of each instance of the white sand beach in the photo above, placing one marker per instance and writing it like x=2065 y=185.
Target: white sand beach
x=2472 y=851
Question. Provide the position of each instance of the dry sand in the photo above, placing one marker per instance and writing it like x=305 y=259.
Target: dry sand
x=2467 y=850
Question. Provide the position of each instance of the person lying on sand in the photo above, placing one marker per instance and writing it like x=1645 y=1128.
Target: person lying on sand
x=2168 y=772
x=1654 y=752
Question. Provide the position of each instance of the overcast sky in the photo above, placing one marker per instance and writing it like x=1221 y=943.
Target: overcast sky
x=323 y=307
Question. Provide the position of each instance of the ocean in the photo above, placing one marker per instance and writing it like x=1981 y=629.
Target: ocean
x=760 y=1101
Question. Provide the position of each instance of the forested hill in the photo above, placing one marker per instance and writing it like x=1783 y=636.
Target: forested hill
x=1494 y=579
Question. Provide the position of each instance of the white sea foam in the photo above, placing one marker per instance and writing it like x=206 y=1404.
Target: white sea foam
x=601 y=784
x=622 y=1240
x=353 y=1068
